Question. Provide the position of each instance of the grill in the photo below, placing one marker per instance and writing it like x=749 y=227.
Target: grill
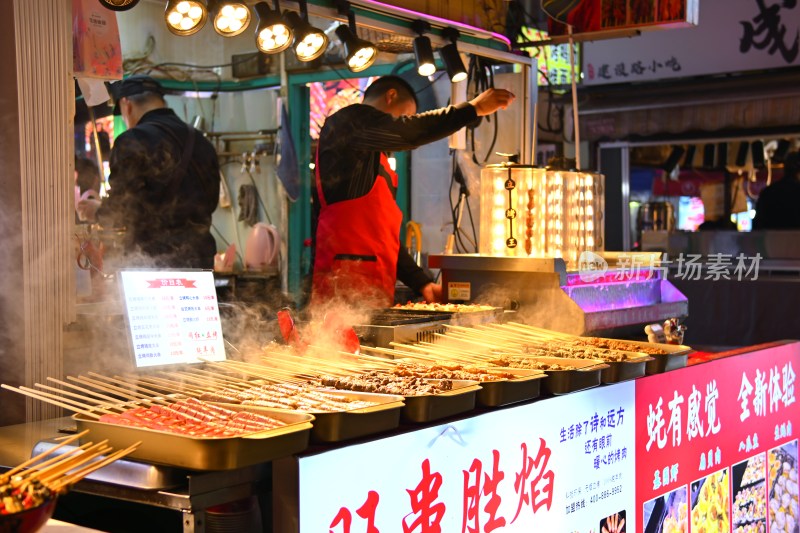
x=395 y=325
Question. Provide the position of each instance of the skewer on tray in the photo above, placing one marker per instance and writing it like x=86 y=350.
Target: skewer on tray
x=43 y=477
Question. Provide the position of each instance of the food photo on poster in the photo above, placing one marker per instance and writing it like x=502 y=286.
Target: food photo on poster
x=748 y=481
x=711 y=503
x=783 y=493
x=669 y=513
x=614 y=523
x=712 y=430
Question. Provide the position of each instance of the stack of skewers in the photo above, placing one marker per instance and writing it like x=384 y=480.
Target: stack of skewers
x=28 y=492
x=345 y=394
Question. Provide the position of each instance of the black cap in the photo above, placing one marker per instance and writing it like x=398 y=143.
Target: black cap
x=132 y=86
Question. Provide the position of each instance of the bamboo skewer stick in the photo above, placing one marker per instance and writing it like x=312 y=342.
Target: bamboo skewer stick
x=72 y=463
x=169 y=385
x=189 y=381
x=444 y=349
x=220 y=377
x=313 y=361
x=272 y=375
x=84 y=390
x=33 y=471
x=67 y=400
x=36 y=458
x=308 y=367
x=100 y=405
x=536 y=329
x=80 y=474
x=88 y=413
x=131 y=396
x=375 y=361
x=116 y=381
x=384 y=351
x=67 y=461
x=256 y=371
x=450 y=355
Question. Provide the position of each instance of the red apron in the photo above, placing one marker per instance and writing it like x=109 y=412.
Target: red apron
x=357 y=245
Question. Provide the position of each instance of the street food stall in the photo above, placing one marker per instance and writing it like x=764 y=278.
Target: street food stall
x=421 y=419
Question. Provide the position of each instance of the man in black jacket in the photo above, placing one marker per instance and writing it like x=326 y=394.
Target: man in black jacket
x=164 y=182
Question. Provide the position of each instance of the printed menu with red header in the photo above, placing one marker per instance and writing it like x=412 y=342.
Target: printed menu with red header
x=173 y=316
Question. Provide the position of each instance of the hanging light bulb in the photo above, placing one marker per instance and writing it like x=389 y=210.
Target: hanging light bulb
x=273 y=35
x=423 y=50
x=452 y=59
x=360 y=54
x=230 y=18
x=309 y=42
x=185 y=17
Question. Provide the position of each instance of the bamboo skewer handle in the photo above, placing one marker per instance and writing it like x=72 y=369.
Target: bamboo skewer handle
x=31 y=472
x=54 y=402
x=80 y=474
x=99 y=404
x=84 y=390
x=32 y=460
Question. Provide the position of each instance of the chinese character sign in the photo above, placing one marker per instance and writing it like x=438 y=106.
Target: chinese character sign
x=747 y=35
x=710 y=434
x=515 y=470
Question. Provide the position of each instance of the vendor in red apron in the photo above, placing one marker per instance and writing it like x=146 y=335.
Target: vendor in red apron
x=356 y=224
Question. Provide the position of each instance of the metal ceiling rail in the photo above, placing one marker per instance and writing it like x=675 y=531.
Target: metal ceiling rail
x=397 y=20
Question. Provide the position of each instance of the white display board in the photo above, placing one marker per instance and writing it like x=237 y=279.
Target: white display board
x=172 y=316
x=731 y=36
x=563 y=465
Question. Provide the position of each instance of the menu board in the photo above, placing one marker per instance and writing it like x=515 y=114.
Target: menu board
x=173 y=316
x=716 y=446
x=563 y=465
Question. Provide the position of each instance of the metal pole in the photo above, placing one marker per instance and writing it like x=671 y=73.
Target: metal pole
x=575 y=122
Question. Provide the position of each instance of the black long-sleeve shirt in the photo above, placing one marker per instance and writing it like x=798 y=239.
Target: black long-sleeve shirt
x=777 y=206
x=350 y=147
x=167 y=212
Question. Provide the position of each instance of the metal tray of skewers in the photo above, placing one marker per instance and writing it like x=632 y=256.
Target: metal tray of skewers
x=622 y=366
x=198 y=452
x=428 y=407
x=666 y=357
x=499 y=386
x=425 y=400
x=564 y=375
x=338 y=415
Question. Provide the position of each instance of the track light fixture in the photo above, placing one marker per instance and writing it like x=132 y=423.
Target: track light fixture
x=360 y=54
x=185 y=17
x=273 y=34
x=709 y=152
x=783 y=148
x=230 y=18
x=309 y=42
x=423 y=51
x=741 y=154
x=674 y=158
x=452 y=59
x=688 y=160
x=118 y=5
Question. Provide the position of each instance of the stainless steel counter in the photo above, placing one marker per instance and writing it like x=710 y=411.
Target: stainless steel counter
x=191 y=492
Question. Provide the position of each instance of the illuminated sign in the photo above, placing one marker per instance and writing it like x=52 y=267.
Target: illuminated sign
x=553 y=60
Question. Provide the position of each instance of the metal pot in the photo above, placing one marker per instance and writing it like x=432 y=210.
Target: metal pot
x=655 y=216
